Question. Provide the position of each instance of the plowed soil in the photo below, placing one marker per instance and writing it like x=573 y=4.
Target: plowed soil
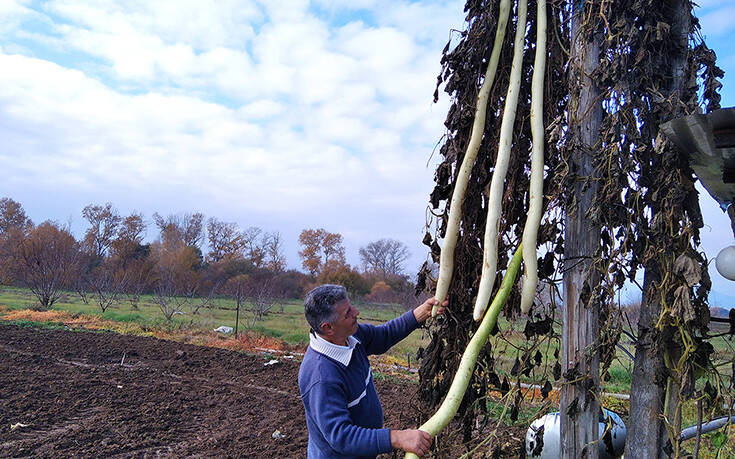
x=98 y=394
x=86 y=394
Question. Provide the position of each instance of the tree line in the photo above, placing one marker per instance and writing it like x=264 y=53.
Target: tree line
x=112 y=263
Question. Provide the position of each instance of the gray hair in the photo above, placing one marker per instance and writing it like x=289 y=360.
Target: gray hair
x=319 y=305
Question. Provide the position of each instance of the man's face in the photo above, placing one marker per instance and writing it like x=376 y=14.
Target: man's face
x=346 y=322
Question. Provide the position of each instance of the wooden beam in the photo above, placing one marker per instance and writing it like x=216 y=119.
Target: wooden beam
x=580 y=330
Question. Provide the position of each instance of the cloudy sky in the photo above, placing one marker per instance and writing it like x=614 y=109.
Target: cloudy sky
x=278 y=114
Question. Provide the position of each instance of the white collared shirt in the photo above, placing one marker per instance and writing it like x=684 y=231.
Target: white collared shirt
x=342 y=354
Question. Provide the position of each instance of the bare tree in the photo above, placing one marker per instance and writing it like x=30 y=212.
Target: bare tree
x=165 y=296
x=104 y=222
x=47 y=261
x=107 y=284
x=139 y=275
x=197 y=301
x=81 y=286
x=261 y=300
x=275 y=260
x=384 y=257
x=237 y=288
x=253 y=296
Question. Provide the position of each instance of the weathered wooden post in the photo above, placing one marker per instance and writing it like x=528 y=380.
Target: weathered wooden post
x=580 y=329
x=237 y=316
x=647 y=437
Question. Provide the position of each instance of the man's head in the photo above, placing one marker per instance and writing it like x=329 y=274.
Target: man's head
x=329 y=313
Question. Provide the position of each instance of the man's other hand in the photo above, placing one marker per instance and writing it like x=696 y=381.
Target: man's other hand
x=423 y=312
x=411 y=441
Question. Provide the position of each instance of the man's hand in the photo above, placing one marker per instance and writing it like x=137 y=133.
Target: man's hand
x=423 y=312
x=411 y=441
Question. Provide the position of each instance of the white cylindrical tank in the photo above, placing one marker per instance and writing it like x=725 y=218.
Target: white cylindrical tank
x=725 y=262
x=548 y=446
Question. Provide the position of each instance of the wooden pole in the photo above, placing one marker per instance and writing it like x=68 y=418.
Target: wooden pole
x=237 y=316
x=580 y=329
x=647 y=436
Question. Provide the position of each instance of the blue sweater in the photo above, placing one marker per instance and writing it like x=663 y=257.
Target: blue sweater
x=343 y=412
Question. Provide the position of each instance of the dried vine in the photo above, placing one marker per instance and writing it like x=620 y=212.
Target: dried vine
x=646 y=203
x=463 y=66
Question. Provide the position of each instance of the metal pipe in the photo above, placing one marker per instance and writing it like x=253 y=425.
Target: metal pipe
x=691 y=432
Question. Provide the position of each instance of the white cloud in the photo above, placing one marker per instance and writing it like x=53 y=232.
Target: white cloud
x=719 y=22
x=201 y=24
x=13 y=11
x=236 y=109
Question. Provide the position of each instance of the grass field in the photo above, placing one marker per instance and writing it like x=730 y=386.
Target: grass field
x=284 y=321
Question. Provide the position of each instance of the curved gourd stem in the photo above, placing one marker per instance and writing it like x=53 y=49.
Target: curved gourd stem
x=446 y=259
x=461 y=380
x=495 y=197
x=536 y=189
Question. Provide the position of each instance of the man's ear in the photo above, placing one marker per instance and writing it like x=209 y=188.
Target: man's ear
x=326 y=328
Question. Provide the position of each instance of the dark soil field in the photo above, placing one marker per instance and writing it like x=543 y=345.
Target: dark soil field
x=87 y=394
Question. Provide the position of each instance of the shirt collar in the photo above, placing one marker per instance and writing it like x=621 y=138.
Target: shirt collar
x=342 y=354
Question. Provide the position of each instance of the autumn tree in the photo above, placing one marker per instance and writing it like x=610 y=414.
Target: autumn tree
x=380 y=292
x=225 y=242
x=178 y=274
x=178 y=259
x=128 y=244
x=14 y=225
x=104 y=222
x=187 y=228
x=384 y=257
x=47 y=261
x=340 y=273
x=12 y=216
x=319 y=249
x=254 y=245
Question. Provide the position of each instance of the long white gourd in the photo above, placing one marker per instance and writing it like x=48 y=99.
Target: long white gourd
x=536 y=188
x=495 y=197
x=446 y=258
x=461 y=380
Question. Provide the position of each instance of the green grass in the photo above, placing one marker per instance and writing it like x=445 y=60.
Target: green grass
x=35 y=324
x=526 y=412
x=118 y=316
x=620 y=378
x=284 y=321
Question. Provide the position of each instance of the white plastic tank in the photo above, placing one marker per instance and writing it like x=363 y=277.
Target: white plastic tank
x=549 y=446
x=725 y=262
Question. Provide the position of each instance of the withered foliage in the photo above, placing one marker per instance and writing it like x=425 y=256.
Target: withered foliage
x=646 y=203
x=463 y=67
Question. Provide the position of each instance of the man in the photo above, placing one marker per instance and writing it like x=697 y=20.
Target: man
x=343 y=412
